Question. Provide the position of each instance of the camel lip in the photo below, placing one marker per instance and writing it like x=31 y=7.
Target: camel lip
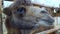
x=48 y=21
x=45 y=23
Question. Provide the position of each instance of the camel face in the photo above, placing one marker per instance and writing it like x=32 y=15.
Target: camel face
x=33 y=17
x=23 y=13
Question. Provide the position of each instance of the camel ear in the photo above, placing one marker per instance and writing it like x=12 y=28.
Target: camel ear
x=7 y=11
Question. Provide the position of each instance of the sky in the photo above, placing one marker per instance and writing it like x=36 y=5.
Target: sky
x=54 y=3
x=7 y=3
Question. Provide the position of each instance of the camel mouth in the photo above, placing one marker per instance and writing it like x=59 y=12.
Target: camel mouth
x=49 y=22
x=45 y=23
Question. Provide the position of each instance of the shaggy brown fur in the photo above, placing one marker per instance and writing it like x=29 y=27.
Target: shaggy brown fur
x=31 y=16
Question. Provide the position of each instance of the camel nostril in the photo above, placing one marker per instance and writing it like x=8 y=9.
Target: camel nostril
x=43 y=12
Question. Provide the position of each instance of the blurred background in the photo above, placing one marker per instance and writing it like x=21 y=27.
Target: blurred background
x=0 y=17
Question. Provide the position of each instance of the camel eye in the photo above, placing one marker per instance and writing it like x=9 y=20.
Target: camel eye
x=21 y=10
x=43 y=12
